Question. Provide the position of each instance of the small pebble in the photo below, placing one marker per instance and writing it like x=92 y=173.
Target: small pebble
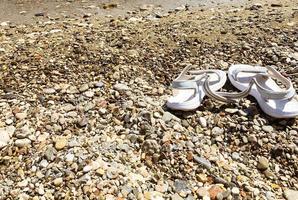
x=60 y=143
x=263 y=163
x=58 y=181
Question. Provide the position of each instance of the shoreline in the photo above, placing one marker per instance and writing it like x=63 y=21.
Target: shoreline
x=28 y=12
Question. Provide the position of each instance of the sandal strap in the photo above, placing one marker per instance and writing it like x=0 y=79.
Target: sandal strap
x=237 y=95
x=185 y=81
x=261 y=70
x=225 y=97
x=288 y=93
x=215 y=95
x=268 y=72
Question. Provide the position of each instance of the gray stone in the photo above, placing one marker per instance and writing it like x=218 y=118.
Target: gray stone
x=89 y=106
x=68 y=107
x=217 y=131
x=99 y=84
x=125 y=190
x=226 y=194
x=267 y=129
x=220 y=180
x=180 y=8
x=167 y=116
x=39 y=14
x=24 y=132
x=50 y=153
x=84 y=87
x=244 y=139
x=219 y=196
x=263 y=163
x=72 y=90
x=202 y=161
x=150 y=146
x=83 y=121
x=235 y=156
x=252 y=138
x=180 y=185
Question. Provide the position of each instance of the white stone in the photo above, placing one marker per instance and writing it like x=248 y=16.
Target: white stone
x=121 y=87
x=41 y=189
x=89 y=94
x=44 y=163
x=23 y=196
x=5 y=135
x=291 y=194
x=203 y=122
x=23 y=183
x=49 y=90
x=4 y=23
x=235 y=190
x=87 y=168
x=69 y=157
x=22 y=142
x=9 y=121
x=21 y=116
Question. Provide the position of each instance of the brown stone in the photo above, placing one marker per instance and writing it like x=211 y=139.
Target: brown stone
x=214 y=190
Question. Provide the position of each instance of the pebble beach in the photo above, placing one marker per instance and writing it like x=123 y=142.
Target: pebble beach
x=82 y=103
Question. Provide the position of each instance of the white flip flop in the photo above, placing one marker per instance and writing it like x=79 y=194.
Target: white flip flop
x=257 y=81
x=190 y=89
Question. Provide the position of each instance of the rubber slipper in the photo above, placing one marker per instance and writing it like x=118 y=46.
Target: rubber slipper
x=190 y=87
x=260 y=83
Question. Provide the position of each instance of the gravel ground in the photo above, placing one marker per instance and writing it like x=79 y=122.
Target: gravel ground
x=82 y=112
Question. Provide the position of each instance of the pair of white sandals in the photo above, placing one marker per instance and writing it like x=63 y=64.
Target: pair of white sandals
x=191 y=86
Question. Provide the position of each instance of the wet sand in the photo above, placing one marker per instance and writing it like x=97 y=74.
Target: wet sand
x=25 y=11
